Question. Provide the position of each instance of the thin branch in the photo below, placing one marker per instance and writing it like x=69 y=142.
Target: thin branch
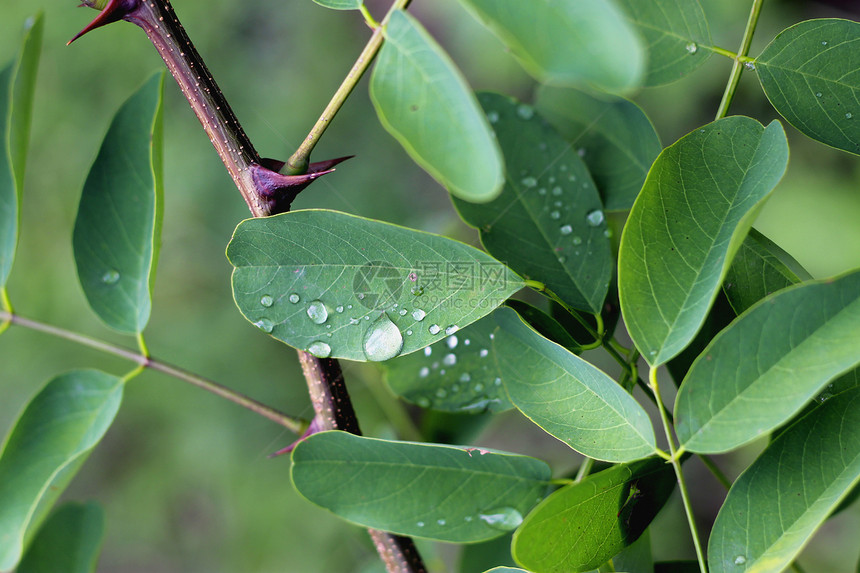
x=741 y=61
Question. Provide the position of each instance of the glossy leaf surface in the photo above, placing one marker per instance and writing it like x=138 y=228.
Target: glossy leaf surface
x=760 y=268
x=448 y=493
x=70 y=541
x=801 y=338
x=423 y=100
x=811 y=74
x=544 y=34
x=676 y=35
x=17 y=83
x=568 y=397
x=118 y=227
x=582 y=526
x=614 y=137
x=341 y=4
x=61 y=424
x=456 y=374
x=347 y=287
x=781 y=500
x=548 y=223
x=695 y=208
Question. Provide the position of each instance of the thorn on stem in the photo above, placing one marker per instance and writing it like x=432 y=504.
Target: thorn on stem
x=113 y=11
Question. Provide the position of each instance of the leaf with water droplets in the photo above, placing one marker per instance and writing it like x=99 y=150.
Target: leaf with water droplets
x=548 y=223
x=69 y=541
x=423 y=100
x=676 y=36
x=56 y=431
x=118 y=227
x=565 y=43
x=803 y=338
x=809 y=73
x=583 y=525
x=568 y=397
x=783 y=498
x=17 y=84
x=456 y=374
x=348 y=287
x=696 y=206
x=760 y=268
x=617 y=139
x=447 y=493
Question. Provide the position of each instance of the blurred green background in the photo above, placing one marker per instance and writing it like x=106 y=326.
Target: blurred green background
x=184 y=476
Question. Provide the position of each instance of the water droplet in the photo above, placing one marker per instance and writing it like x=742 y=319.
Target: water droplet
x=483 y=353
x=449 y=360
x=492 y=336
x=692 y=48
x=740 y=560
x=529 y=182
x=467 y=342
x=566 y=229
x=497 y=381
x=317 y=312
x=467 y=518
x=434 y=329
x=349 y=307
x=558 y=203
x=354 y=321
x=423 y=402
x=440 y=521
x=581 y=152
x=409 y=332
x=441 y=393
x=576 y=240
x=420 y=524
x=750 y=66
x=562 y=259
x=452 y=342
x=428 y=351
x=818 y=94
x=465 y=377
x=382 y=340
x=824 y=43
x=555 y=215
x=265 y=325
x=493 y=116
x=403 y=312
x=557 y=191
x=594 y=218
x=452 y=329
x=267 y=300
x=525 y=111
x=111 y=277
x=504 y=518
x=479 y=387
x=294 y=298
x=424 y=372
x=849 y=115
x=417 y=290
x=418 y=314
x=320 y=349
x=454 y=387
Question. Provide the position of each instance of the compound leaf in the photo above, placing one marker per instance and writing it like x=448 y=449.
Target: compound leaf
x=69 y=541
x=447 y=493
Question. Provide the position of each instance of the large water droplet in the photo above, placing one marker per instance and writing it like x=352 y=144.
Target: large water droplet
x=266 y=300
x=265 y=325
x=691 y=48
x=294 y=298
x=382 y=340
x=110 y=277
x=434 y=329
x=418 y=314
x=317 y=312
x=319 y=349
x=525 y=111
x=595 y=218
x=504 y=518
x=566 y=229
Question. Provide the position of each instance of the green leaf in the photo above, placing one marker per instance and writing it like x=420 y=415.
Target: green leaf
x=61 y=424
x=548 y=223
x=801 y=338
x=583 y=525
x=347 y=287
x=777 y=504
x=506 y=570
x=613 y=135
x=811 y=74
x=423 y=100
x=70 y=541
x=457 y=374
x=568 y=397
x=478 y=557
x=636 y=557
x=760 y=268
x=695 y=208
x=17 y=83
x=547 y=326
x=341 y=4
x=118 y=227
x=567 y=43
x=447 y=493
x=676 y=34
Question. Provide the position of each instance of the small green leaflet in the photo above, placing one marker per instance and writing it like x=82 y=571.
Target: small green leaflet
x=69 y=541
x=423 y=100
x=448 y=493
x=544 y=34
x=58 y=428
x=347 y=287
x=341 y=4
x=699 y=200
x=568 y=397
x=803 y=338
x=548 y=224
x=777 y=504
x=118 y=228
x=811 y=74
x=17 y=84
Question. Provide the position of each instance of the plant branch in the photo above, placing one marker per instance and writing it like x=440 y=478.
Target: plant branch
x=741 y=60
x=300 y=160
x=295 y=425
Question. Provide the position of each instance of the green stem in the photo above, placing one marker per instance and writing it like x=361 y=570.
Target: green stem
x=740 y=60
x=716 y=471
x=143 y=361
x=584 y=470
x=676 y=464
x=6 y=305
x=299 y=161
